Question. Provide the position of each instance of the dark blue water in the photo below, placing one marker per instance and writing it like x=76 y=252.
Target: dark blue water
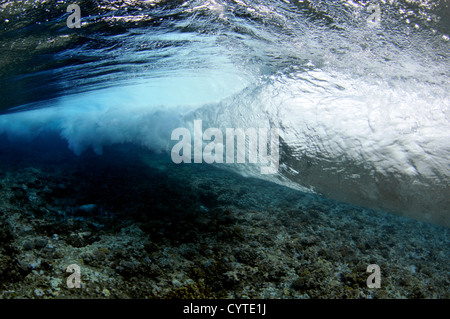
x=358 y=94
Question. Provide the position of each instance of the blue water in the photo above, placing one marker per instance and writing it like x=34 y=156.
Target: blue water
x=362 y=107
x=361 y=102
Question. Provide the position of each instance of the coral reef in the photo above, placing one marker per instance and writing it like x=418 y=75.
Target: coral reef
x=140 y=226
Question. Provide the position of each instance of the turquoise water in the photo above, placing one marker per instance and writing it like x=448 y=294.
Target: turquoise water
x=358 y=93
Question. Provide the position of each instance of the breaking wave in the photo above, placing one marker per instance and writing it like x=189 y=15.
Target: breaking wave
x=361 y=101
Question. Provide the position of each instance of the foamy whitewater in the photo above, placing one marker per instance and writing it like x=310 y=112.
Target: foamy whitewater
x=362 y=108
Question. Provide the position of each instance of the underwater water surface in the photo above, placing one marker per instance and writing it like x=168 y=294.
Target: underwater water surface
x=358 y=92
